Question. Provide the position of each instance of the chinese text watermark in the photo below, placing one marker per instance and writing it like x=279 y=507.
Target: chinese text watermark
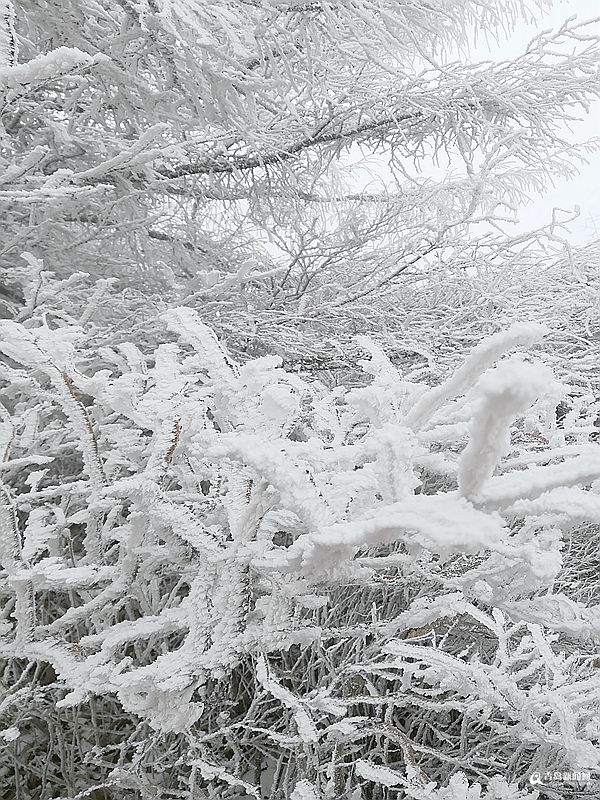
x=560 y=776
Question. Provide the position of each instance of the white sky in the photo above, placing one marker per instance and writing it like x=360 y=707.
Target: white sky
x=584 y=190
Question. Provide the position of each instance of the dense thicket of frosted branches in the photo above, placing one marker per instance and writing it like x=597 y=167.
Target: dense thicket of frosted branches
x=299 y=592
x=193 y=149
x=298 y=479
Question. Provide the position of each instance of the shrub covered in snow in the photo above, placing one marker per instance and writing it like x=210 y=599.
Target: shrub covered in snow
x=221 y=580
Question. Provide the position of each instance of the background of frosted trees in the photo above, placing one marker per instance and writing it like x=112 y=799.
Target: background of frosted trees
x=299 y=480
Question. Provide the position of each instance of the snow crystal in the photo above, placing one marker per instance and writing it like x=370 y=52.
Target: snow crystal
x=443 y=524
x=506 y=392
x=481 y=357
x=10 y=734
x=46 y=66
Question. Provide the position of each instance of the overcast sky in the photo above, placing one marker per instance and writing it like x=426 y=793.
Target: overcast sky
x=584 y=190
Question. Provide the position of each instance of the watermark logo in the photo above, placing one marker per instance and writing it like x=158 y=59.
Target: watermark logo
x=560 y=776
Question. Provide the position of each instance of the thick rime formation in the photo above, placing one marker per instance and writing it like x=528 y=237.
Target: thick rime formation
x=252 y=565
x=299 y=474
x=201 y=153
